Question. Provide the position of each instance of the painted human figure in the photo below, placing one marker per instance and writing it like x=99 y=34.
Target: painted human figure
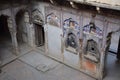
x=71 y=24
x=92 y=28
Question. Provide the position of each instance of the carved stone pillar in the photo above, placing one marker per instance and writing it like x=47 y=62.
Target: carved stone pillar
x=28 y=26
x=14 y=42
x=13 y=32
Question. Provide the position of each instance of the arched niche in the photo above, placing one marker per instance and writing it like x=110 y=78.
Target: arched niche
x=92 y=40
x=52 y=19
x=71 y=32
x=92 y=51
x=92 y=48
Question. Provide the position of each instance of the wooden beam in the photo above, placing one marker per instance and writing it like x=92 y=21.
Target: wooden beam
x=99 y=4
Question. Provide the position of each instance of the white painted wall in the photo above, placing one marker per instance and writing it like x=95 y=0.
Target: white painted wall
x=54 y=42
x=114 y=41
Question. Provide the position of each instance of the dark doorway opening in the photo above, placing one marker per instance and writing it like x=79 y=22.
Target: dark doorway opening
x=22 y=36
x=39 y=35
x=5 y=37
x=4 y=30
x=5 y=40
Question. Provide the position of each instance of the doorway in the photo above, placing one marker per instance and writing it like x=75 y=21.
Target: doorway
x=114 y=42
x=112 y=66
x=4 y=30
x=5 y=41
x=39 y=35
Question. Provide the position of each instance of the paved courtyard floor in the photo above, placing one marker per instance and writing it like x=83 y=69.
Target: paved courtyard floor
x=32 y=65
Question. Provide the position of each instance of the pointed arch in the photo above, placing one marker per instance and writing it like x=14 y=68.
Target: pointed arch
x=37 y=17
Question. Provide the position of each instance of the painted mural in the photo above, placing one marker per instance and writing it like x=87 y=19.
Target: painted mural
x=52 y=19
x=70 y=24
x=93 y=30
x=89 y=48
x=91 y=54
x=71 y=32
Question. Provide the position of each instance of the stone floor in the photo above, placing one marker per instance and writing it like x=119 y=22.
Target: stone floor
x=32 y=65
x=113 y=68
x=35 y=66
x=6 y=54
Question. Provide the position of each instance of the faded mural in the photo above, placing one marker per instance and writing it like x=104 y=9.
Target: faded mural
x=91 y=29
x=63 y=28
x=80 y=41
x=52 y=19
x=91 y=54
x=71 y=32
x=93 y=34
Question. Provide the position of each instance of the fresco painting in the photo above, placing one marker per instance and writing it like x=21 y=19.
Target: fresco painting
x=52 y=19
x=71 y=32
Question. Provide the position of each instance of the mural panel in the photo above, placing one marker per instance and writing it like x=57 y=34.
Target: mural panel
x=71 y=32
x=54 y=32
x=85 y=52
x=92 y=45
x=91 y=29
x=53 y=17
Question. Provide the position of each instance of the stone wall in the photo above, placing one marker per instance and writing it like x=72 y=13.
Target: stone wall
x=77 y=38
x=58 y=26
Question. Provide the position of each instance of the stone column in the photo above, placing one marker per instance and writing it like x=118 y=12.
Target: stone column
x=13 y=32
x=46 y=38
x=103 y=51
x=14 y=42
x=27 y=25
